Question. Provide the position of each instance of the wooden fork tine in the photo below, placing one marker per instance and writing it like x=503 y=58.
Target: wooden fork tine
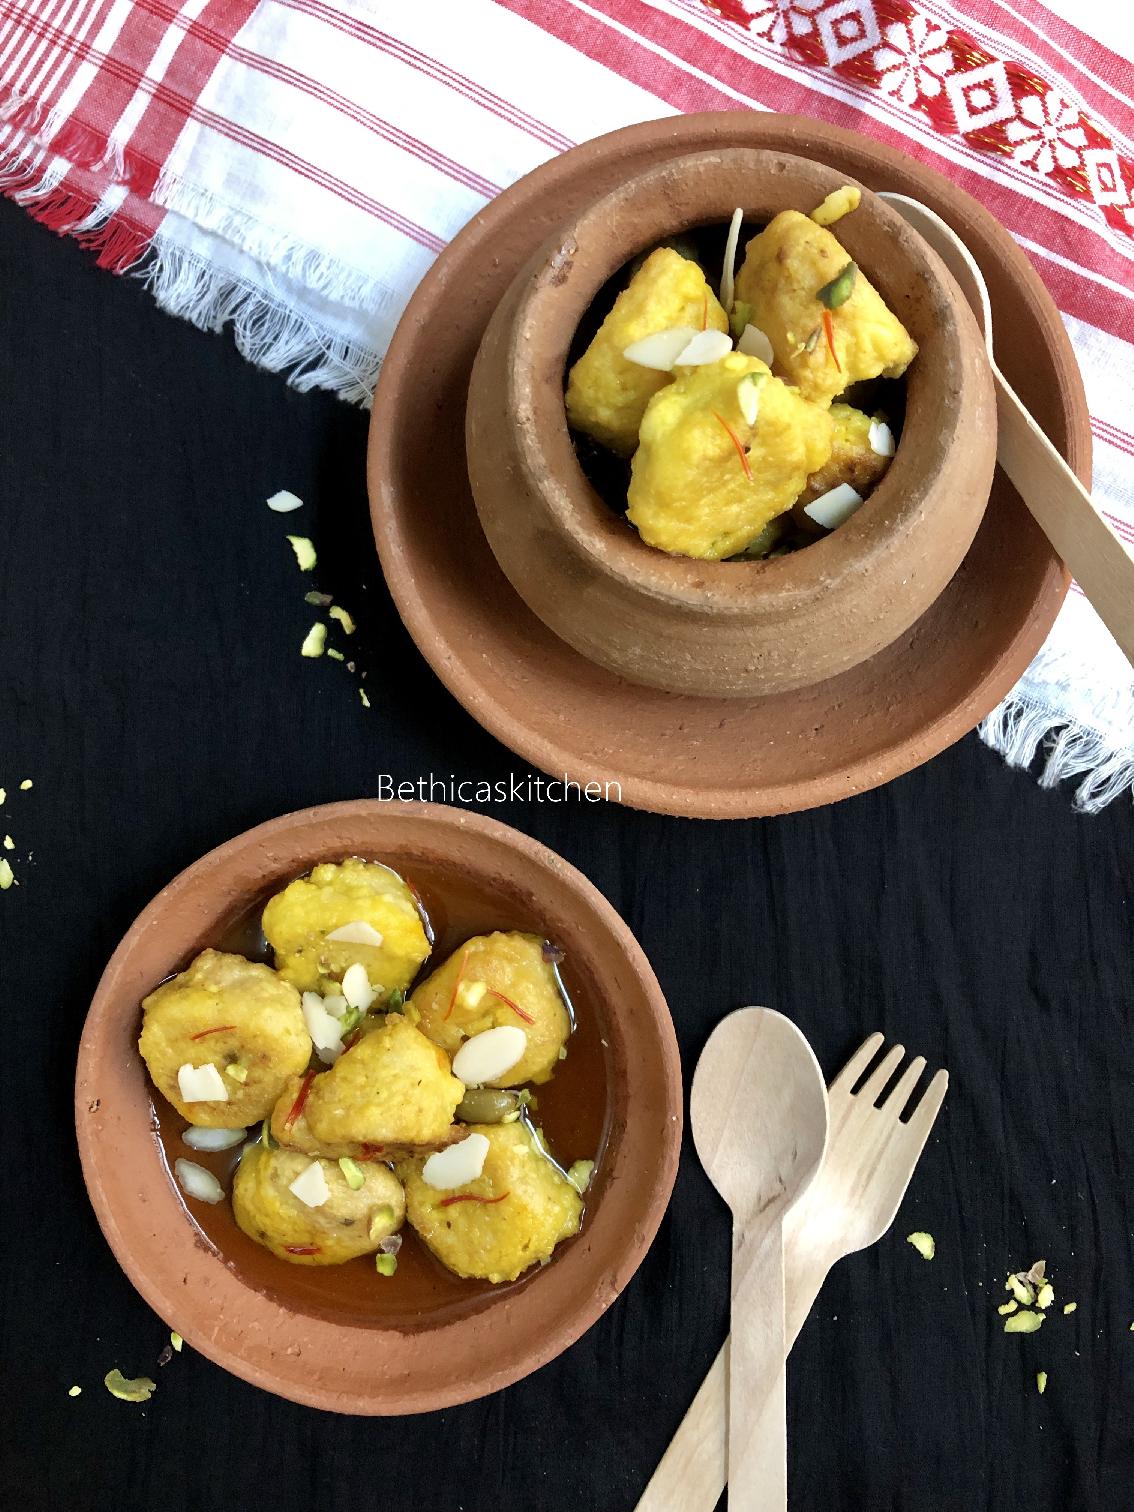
x=928 y=1109
x=908 y=1081
x=857 y=1064
x=881 y=1074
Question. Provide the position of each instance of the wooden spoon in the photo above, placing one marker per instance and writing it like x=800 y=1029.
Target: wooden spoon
x=1062 y=507
x=758 y=1111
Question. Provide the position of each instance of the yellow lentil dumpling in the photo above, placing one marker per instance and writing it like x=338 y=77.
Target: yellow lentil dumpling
x=294 y=1132
x=393 y=1087
x=691 y=492
x=348 y=1223
x=606 y=393
x=526 y=1206
x=784 y=268
x=236 y=1016
x=853 y=460
x=504 y=979
x=298 y=920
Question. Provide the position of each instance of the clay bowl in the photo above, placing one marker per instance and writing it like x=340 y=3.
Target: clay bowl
x=268 y=1322
x=725 y=629
x=703 y=757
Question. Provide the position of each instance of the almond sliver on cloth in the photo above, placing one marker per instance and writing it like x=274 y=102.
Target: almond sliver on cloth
x=292 y=167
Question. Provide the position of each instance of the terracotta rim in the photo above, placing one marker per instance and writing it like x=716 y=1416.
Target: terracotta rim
x=548 y=744
x=329 y=1363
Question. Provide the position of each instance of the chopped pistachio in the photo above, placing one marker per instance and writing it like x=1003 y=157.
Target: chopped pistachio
x=351 y=1019
x=395 y=1000
x=385 y=1265
x=354 y=1177
x=1007 y=1307
x=838 y=291
x=1037 y=1274
x=838 y=203
x=812 y=341
x=6 y=877
x=1041 y=1381
x=1069 y=1307
x=1022 y=1292
x=1045 y=1296
x=380 y=1220
x=925 y=1244
x=25 y=785
x=365 y=700
x=238 y=1072
x=343 y=618
x=75 y=1391
x=563 y=1052
x=138 y=1390
x=315 y=640
x=9 y=843
x=334 y=654
x=739 y=318
x=580 y=1174
x=266 y=1135
x=304 y=552
x=177 y=1341
x=318 y=600
x=1132 y=1328
x=1023 y=1322
x=3 y=795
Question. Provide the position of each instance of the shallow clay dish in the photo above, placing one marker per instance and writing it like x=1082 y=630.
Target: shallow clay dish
x=715 y=758
x=267 y=1321
x=725 y=629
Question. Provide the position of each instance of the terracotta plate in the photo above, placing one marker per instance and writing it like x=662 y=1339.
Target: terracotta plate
x=263 y=1319
x=685 y=755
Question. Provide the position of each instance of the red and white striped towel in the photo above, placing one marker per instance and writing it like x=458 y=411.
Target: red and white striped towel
x=292 y=167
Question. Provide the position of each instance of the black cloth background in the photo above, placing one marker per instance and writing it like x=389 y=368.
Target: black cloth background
x=152 y=687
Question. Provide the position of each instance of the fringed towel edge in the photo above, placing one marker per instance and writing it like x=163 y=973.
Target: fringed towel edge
x=1022 y=727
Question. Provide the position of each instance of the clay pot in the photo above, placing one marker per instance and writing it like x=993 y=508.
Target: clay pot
x=725 y=629
x=271 y=1323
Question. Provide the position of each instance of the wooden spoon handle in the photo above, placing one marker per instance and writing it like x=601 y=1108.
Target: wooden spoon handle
x=693 y=1471
x=757 y=1416
x=1067 y=515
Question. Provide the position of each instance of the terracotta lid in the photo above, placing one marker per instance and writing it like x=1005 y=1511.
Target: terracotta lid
x=270 y=1323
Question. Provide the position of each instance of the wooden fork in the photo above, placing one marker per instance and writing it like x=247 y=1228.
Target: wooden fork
x=871 y=1155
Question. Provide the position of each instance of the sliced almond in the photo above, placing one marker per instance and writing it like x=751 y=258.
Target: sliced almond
x=705 y=347
x=487 y=1057
x=357 y=933
x=833 y=508
x=201 y=1083
x=457 y=1165
x=754 y=343
x=310 y=1186
x=325 y=1029
x=196 y=1182
x=285 y=501
x=356 y=987
x=660 y=350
